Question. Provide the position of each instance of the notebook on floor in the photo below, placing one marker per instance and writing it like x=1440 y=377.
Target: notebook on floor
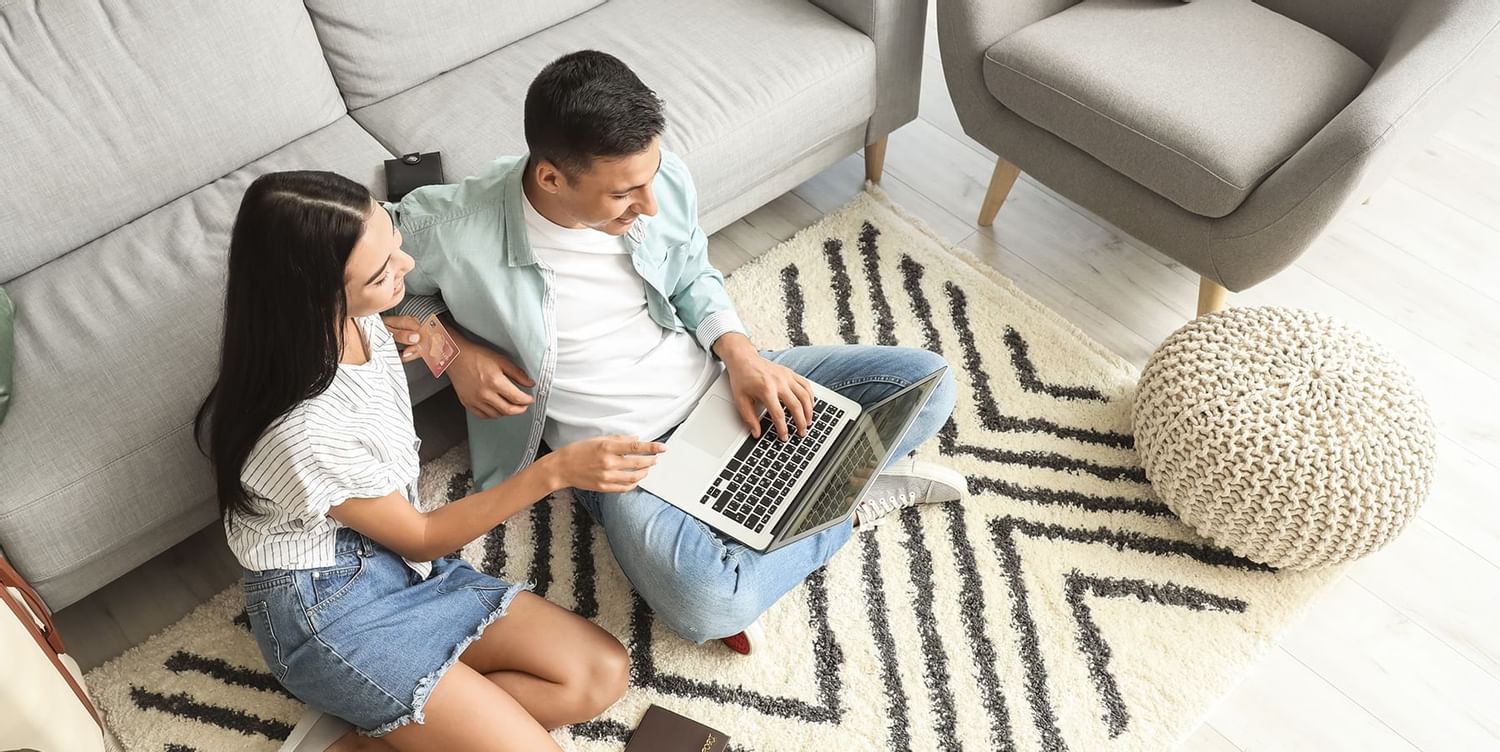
x=661 y=730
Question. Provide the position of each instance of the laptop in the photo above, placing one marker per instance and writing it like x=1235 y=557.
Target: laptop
x=767 y=493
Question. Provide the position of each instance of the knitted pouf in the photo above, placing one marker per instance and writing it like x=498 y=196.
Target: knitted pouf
x=1284 y=436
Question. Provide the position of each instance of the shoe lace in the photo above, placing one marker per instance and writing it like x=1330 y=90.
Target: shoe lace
x=879 y=506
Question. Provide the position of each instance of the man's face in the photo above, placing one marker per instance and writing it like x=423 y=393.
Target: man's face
x=613 y=192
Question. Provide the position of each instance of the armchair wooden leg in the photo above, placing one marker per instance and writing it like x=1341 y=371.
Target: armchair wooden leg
x=1211 y=296
x=875 y=160
x=1000 y=184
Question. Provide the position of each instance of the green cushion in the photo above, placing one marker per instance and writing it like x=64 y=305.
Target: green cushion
x=7 y=350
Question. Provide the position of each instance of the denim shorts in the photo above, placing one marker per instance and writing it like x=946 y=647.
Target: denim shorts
x=367 y=638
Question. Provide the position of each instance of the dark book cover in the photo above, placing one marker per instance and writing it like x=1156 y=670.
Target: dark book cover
x=664 y=731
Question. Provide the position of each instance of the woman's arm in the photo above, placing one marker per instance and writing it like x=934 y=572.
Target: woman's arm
x=611 y=464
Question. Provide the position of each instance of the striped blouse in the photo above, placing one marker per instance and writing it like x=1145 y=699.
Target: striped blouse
x=354 y=441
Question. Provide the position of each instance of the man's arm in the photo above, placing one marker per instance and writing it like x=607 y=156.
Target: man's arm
x=703 y=304
x=699 y=296
x=423 y=297
x=487 y=383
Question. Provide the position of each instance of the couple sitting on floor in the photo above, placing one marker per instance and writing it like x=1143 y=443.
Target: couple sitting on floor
x=597 y=323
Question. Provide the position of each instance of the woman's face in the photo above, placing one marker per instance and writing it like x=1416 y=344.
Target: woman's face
x=375 y=274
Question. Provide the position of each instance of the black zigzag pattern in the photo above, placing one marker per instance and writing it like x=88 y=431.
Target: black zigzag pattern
x=998 y=628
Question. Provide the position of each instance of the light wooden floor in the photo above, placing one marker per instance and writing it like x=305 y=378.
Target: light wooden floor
x=1404 y=652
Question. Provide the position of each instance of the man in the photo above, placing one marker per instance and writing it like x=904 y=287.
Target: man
x=583 y=263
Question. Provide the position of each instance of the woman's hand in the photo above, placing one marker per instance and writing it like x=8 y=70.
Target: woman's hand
x=611 y=464
x=407 y=332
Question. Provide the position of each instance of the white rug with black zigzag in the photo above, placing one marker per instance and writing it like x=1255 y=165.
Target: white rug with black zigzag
x=1061 y=608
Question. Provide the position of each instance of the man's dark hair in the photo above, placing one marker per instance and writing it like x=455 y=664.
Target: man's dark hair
x=589 y=104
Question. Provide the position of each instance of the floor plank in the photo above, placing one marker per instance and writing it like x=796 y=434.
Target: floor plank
x=1439 y=700
x=1457 y=177
x=1283 y=706
x=1449 y=241
x=1443 y=586
x=1462 y=502
x=1452 y=316
x=1207 y=739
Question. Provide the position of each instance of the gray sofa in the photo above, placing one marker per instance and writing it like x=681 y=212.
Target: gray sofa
x=1225 y=133
x=129 y=130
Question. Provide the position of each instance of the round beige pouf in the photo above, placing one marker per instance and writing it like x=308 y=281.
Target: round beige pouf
x=1284 y=436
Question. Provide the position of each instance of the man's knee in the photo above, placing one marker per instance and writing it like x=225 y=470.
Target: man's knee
x=699 y=612
x=944 y=396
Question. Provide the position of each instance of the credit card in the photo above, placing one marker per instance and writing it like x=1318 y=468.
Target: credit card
x=436 y=346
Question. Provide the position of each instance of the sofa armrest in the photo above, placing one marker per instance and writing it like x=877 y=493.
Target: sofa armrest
x=897 y=27
x=966 y=29
x=1440 y=52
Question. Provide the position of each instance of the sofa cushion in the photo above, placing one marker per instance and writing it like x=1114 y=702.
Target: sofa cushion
x=377 y=48
x=109 y=110
x=118 y=344
x=1197 y=102
x=749 y=87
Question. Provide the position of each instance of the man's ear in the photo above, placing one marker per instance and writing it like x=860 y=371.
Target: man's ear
x=548 y=177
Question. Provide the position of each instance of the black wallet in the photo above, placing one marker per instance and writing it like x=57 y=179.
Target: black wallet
x=410 y=171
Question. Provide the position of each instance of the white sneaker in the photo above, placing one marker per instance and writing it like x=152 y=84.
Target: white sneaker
x=905 y=483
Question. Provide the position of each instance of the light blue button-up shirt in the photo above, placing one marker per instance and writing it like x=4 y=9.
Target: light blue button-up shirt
x=473 y=258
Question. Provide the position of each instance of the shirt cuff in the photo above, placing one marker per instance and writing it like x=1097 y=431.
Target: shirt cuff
x=717 y=324
x=419 y=306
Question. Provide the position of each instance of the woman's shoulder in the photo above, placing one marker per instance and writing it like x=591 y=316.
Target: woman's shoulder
x=312 y=421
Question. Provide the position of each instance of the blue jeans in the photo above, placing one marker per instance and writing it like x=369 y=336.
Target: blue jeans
x=704 y=587
x=366 y=638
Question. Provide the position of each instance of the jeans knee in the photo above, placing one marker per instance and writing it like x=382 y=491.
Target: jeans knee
x=945 y=396
x=702 y=615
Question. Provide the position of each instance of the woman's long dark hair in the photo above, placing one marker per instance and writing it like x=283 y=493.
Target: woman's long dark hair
x=283 y=313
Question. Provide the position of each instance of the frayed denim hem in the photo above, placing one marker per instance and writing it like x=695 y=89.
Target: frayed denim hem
x=424 y=688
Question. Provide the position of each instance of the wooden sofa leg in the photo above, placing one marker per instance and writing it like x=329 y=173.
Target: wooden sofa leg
x=875 y=160
x=1000 y=184
x=1211 y=296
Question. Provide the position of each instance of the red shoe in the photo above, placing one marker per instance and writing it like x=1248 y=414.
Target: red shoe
x=751 y=638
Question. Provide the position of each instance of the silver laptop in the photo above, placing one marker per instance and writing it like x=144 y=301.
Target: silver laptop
x=766 y=493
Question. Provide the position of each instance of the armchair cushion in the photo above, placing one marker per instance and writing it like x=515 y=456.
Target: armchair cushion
x=1196 y=101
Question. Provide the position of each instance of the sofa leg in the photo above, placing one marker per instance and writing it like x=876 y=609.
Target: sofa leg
x=875 y=160
x=1211 y=296
x=1000 y=184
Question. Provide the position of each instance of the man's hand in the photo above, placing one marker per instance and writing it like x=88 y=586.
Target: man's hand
x=486 y=381
x=757 y=382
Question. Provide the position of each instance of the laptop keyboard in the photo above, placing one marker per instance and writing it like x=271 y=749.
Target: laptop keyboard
x=834 y=499
x=758 y=477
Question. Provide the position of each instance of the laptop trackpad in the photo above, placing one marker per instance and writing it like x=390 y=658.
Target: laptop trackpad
x=711 y=429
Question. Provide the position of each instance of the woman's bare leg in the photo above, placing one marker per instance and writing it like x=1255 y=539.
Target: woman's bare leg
x=469 y=713
x=558 y=665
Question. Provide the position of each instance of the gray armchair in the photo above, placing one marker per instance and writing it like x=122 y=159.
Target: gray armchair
x=1225 y=133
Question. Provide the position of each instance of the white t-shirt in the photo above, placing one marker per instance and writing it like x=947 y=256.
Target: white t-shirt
x=618 y=371
x=355 y=440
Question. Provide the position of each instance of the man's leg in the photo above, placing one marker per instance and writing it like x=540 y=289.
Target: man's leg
x=704 y=587
x=701 y=586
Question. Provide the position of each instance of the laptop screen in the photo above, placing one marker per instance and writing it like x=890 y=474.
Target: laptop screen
x=878 y=430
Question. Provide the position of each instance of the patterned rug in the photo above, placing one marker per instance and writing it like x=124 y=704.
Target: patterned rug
x=1062 y=607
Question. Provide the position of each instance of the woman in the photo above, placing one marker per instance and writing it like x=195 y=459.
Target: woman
x=310 y=433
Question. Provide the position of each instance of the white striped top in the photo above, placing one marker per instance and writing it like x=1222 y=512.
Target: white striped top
x=354 y=441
